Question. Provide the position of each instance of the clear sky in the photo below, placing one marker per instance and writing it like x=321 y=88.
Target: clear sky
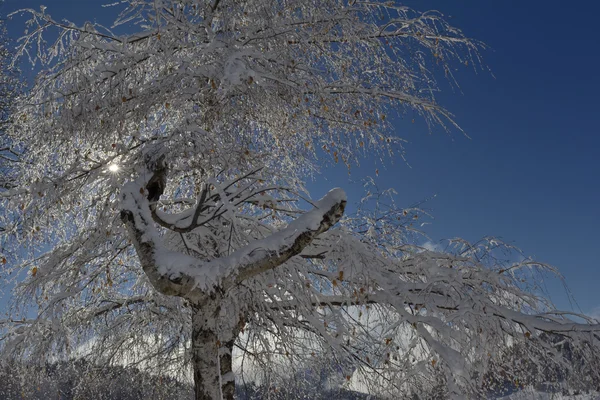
x=530 y=173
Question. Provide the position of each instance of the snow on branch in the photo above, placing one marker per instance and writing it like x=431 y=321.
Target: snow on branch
x=175 y=273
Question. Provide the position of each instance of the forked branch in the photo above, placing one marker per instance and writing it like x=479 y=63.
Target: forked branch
x=179 y=274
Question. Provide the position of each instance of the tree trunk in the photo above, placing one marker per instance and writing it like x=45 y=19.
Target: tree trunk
x=211 y=358
x=227 y=377
x=205 y=357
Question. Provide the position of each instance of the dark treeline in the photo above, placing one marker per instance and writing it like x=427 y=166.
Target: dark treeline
x=78 y=380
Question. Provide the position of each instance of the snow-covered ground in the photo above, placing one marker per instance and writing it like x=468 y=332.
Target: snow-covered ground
x=530 y=394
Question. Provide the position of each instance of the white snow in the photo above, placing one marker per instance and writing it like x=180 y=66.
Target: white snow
x=531 y=394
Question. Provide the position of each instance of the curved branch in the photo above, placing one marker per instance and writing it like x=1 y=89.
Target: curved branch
x=178 y=274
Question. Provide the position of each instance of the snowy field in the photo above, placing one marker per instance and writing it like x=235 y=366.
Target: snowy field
x=530 y=394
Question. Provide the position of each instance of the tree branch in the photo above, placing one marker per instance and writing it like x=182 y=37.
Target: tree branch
x=263 y=256
x=179 y=274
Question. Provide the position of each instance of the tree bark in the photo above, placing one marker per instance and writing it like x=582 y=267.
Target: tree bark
x=205 y=357
x=211 y=356
x=227 y=377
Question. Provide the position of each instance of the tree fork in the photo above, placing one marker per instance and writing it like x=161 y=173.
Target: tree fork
x=211 y=344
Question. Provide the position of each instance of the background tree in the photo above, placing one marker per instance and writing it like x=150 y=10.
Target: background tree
x=161 y=202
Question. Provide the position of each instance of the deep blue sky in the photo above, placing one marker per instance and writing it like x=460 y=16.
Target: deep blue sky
x=530 y=172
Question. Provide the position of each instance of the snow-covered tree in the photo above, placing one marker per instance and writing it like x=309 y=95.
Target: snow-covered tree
x=158 y=214
x=9 y=87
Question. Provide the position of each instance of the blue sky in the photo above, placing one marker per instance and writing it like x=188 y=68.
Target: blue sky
x=530 y=172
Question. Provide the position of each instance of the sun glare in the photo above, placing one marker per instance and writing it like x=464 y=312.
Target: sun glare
x=113 y=167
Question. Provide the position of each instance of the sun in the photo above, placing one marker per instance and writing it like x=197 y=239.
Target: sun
x=113 y=167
